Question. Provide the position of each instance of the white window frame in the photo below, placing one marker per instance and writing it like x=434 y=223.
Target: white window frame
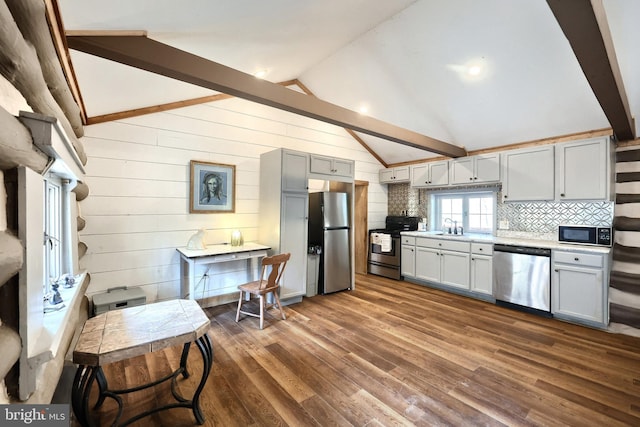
x=54 y=242
x=42 y=333
x=463 y=218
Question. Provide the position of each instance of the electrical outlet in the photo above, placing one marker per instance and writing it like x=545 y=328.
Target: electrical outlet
x=504 y=224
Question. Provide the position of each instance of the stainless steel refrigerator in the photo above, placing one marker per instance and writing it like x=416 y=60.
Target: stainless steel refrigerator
x=329 y=229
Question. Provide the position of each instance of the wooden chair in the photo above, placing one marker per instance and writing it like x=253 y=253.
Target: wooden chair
x=262 y=287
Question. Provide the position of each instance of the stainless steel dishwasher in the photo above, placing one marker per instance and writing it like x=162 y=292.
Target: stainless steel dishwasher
x=522 y=276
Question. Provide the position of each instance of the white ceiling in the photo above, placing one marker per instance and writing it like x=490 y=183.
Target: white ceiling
x=404 y=59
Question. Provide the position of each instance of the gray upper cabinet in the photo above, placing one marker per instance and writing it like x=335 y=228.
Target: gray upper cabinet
x=432 y=174
x=583 y=170
x=475 y=169
x=331 y=166
x=294 y=171
x=394 y=175
x=528 y=174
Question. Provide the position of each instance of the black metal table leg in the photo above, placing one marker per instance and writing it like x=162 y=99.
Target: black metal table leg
x=87 y=375
x=102 y=386
x=206 y=349
x=81 y=393
x=183 y=360
x=77 y=392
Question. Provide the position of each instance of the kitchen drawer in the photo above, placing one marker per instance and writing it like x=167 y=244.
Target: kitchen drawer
x=482 y=248
x=408 y=240
x=576 y=258
x=448 y=245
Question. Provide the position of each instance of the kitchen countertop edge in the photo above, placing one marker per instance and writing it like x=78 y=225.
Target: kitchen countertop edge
x=485 y=238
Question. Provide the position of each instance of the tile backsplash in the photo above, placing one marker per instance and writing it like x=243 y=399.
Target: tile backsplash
x=529 y=217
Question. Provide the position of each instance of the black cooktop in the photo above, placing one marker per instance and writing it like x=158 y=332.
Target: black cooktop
x=395 y=224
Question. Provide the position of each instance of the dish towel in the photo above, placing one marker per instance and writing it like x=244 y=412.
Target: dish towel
x=375 y=238
x=385 y=242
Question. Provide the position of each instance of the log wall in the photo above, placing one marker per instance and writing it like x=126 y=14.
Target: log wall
x=30 y=65
x=624 y=292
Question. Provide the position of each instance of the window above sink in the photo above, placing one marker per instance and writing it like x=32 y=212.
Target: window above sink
x=474 y=211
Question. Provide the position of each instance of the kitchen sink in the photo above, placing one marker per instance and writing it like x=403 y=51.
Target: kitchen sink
x=442 y=233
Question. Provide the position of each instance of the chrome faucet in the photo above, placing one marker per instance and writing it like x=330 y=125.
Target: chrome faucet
x=456 y=229
x=449 y=221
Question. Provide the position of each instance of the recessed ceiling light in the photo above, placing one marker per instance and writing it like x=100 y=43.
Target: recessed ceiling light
x=474 y=70
x=363 y=109
x=261 y=74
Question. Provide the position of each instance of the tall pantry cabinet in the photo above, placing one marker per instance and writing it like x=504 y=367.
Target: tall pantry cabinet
x=284 y=205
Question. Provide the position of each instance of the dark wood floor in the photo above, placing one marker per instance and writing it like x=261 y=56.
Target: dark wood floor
x=393 y=353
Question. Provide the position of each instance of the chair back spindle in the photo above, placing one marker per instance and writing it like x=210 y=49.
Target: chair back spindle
x=267 y=283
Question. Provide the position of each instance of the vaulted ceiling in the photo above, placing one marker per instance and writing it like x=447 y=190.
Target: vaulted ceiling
x=406 y=61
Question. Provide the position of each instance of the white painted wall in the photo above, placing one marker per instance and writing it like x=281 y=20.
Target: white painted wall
x=137 y=212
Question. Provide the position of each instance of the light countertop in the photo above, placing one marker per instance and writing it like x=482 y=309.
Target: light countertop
x=222 y=249
x=134 y=331
x=488 y=238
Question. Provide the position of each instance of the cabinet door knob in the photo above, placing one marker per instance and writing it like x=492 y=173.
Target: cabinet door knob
x=576 y=259
x=561 y=194
x=556 y=270
x=470 y=179
x=505 y=196
x=475 y=177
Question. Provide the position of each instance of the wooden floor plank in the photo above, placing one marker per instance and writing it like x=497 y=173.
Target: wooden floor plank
x=395 y=353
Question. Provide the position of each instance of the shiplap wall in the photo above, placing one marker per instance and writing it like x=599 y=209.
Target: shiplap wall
x=137 y=212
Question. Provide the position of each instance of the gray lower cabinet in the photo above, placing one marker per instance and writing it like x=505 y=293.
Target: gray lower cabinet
x=408 y=257
x=482 y=268
x=579 y=282
x=293 y=239
x=443 y=261
x=579 y=287
x=428 y=265
x=452 y=264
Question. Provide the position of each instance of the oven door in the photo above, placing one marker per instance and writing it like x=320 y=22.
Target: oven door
x=378 y=256
x=384 y=263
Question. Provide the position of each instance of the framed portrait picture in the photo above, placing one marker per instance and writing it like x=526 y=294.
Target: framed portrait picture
x=212 y=188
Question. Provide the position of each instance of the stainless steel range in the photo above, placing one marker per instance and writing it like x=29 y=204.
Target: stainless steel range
x=384 y=246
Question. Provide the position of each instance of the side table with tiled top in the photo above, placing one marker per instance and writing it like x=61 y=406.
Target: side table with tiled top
x=122 y=334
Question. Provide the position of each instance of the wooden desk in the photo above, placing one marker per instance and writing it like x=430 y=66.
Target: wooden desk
x=190 y=258
x=123 y=334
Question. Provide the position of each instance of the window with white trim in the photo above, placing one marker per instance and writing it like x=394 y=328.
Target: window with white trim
x=474 y=211
x=52 y=232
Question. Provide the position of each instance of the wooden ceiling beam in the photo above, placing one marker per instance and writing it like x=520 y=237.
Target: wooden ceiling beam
x=56 y=28
x=206 y=99
x=585 y=25
x=354 y=135
x=136 y=112
x=150 y=55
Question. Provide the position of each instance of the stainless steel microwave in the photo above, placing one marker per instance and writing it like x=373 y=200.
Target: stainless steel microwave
x=585 y=235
